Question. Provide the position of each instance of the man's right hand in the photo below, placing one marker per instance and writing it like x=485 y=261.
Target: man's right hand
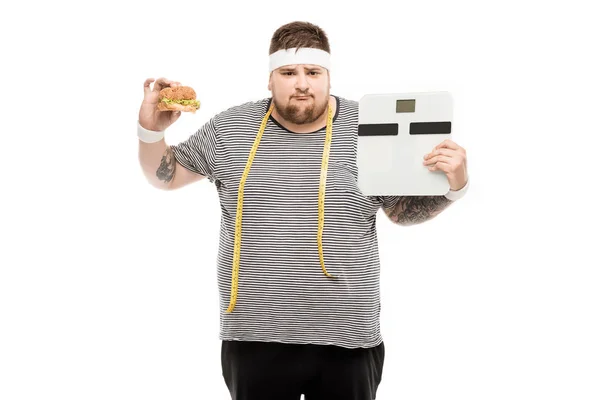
x=150 y=118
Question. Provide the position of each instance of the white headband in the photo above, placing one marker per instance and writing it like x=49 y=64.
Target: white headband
x=305 y=55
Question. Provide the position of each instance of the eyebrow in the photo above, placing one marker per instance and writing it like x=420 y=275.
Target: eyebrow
x=306 y=68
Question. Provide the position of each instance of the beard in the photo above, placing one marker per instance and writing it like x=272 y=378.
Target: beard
x=299 y=114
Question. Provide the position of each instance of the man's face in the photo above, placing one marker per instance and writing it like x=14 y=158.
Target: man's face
x=300 y=92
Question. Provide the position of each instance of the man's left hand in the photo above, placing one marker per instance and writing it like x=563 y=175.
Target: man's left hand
x=452 y=160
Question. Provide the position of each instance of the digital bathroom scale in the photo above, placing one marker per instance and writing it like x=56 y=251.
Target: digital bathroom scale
x=395 y=131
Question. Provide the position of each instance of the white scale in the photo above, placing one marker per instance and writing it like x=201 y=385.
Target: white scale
x=395 y=131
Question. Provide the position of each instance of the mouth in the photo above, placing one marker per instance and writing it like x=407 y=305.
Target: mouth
x=301 y=97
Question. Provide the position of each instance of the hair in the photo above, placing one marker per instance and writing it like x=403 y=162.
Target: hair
x=299 y=34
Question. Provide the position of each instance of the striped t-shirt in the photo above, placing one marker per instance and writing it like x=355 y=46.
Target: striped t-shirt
x=283 y=294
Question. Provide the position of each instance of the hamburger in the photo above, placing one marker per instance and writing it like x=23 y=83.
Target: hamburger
x=178 y=98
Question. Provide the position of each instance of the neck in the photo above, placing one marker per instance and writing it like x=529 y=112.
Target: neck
x=306 y=128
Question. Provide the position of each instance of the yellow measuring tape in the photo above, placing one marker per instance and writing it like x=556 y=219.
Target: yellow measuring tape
x=240 y=203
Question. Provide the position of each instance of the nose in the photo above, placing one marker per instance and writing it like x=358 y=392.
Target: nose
x=301 y=82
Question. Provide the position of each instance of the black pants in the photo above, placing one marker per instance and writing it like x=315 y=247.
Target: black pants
x=277 y=371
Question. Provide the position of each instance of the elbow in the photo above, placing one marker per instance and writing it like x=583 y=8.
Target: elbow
x=159 y=185
x=408 y=222
x=165 y=187
x=155 y=182
x=412 y=220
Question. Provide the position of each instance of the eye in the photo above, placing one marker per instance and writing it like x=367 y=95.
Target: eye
x=314 y=72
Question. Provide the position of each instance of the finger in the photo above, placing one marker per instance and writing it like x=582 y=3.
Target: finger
x=441 y=166
x=175 y=115
x=442 y=151
x=447 y=144
x=435 y=159
x=147 y=85
x=161 y=83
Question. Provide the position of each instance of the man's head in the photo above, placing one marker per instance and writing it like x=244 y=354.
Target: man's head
x=289 y=82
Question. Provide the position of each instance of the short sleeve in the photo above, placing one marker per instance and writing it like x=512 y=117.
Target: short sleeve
x=198 y=152
x=388 y=201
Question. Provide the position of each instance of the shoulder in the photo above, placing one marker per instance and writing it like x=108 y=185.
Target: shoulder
x=347 y=105
x=246 y=111
x=347 y=109
x=353 y=104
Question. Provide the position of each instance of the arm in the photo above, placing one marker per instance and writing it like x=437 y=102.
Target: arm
x=412 y=210
x=157 y=159
x=162 y=169
x=452 y=160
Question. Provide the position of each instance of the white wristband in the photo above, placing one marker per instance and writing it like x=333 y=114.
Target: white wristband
x=457 y=194
x=149 y=136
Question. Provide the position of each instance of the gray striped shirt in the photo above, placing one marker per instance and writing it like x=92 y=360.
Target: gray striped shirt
x=283 y=294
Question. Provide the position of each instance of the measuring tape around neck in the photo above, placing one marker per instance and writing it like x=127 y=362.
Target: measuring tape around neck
x=240 y=203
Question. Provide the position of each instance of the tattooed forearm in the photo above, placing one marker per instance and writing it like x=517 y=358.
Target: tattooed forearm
x=166 y=170
x=411 y=210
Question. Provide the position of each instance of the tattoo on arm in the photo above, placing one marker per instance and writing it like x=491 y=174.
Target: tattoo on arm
x=166 y=170
x=410 y=210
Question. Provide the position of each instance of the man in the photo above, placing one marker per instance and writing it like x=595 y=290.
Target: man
x=298 y=267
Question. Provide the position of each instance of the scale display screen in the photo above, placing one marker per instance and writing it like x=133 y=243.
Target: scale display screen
x=404 y=106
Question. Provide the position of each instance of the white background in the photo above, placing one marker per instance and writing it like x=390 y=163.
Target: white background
x=108 y=285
